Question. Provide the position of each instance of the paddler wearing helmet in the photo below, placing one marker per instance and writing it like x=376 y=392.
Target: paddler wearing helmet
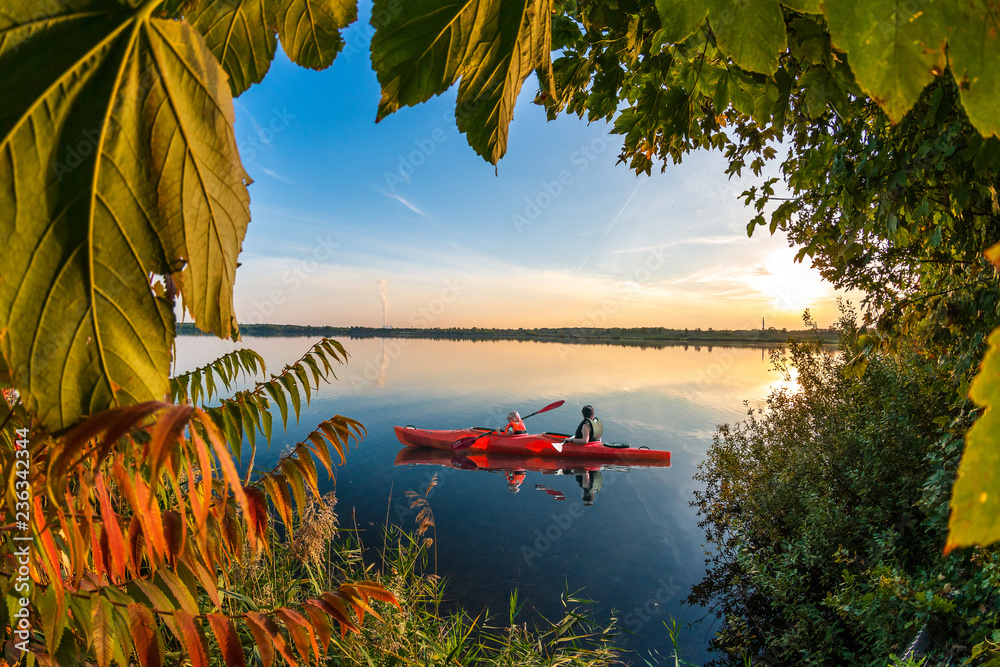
x=590 y=429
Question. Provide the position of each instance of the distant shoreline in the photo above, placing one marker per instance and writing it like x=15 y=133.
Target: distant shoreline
x=639 y=336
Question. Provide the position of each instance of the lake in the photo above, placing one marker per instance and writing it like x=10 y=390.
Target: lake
x=635 y=548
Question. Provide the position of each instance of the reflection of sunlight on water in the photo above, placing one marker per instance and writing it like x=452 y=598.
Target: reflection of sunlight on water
x=790 y=385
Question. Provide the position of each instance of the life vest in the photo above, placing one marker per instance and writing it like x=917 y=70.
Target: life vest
x=514 y=428
x=596 y=429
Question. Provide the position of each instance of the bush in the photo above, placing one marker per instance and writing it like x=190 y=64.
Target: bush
x=828 y=544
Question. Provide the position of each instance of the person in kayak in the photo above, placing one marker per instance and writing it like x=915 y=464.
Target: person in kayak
x=590 y=429
x=515 y=426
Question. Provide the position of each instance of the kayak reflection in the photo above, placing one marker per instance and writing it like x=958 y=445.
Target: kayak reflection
x=514 y=467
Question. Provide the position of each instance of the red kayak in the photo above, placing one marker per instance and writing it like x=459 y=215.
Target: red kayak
x=481 y=460
x=540 y=445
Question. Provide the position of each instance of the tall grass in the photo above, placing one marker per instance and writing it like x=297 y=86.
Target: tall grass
x=318 y=555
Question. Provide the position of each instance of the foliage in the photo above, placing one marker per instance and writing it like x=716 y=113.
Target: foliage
x=136 y=521
x=825 y=513
x=430 y=631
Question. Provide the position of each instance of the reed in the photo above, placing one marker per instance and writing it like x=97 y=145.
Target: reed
x=427 y=630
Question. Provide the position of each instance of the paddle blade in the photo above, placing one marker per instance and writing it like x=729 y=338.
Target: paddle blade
x=557 y=446
x=551 y=406
x=463 y=444
x=463 y=463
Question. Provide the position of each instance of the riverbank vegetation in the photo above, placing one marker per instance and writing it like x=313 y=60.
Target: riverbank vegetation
x=828 y=510
x=630 y=336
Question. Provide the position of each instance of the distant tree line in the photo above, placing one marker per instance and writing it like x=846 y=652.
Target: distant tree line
x=575 y=335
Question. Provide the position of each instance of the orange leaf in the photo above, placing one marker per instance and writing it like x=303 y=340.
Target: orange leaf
x=152 y=521
x=293 y=476
x=255 y=622
x=204 y=494
x=208 y=582
x=360 y=604
x=320 y=622
x=109 y=425
x=173 y=532
x=281 y=497
x=98 y=547
x=167 y=436
x=336 y=608
x=256 y=513
x=135 y=543
x=191 y=638
x=370 y=589
x=301 y=631
x=116 y=542
x=145 y=636
x=272 y=631
x=229 y=472
x=51 y=560
x=229 y=641
x=159 y=600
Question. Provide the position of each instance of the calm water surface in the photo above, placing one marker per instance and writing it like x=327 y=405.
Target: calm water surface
x=636 y=550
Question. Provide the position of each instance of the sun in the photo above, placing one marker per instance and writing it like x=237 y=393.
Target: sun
x=791 y=285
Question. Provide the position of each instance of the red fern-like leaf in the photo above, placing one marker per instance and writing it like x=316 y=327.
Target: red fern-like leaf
x=229 y=641
x=116 y=541
x=191 y=638
x=255 y=623
x=273 y=632
x=256 y=513
x=321 y=623
x=370 y=589
x=145 y=636
x=300 y=630
x=173 y=533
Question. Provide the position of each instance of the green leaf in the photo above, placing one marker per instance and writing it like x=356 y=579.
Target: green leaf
x=679 y=19
x=975 y=500
x=309 y=30
x=751 y=32
x=894 y=48
x=973 y=51
x=102 y=631
x=425 y=46
x=275 y=391
x=53 y=616
x=117 y=163
x=292 y=389
x=239 y=35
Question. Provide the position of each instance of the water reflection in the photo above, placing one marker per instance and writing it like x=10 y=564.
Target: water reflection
x=641 y=521
x=513 y=469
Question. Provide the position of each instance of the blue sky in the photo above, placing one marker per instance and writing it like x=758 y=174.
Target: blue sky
x=557 y=235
